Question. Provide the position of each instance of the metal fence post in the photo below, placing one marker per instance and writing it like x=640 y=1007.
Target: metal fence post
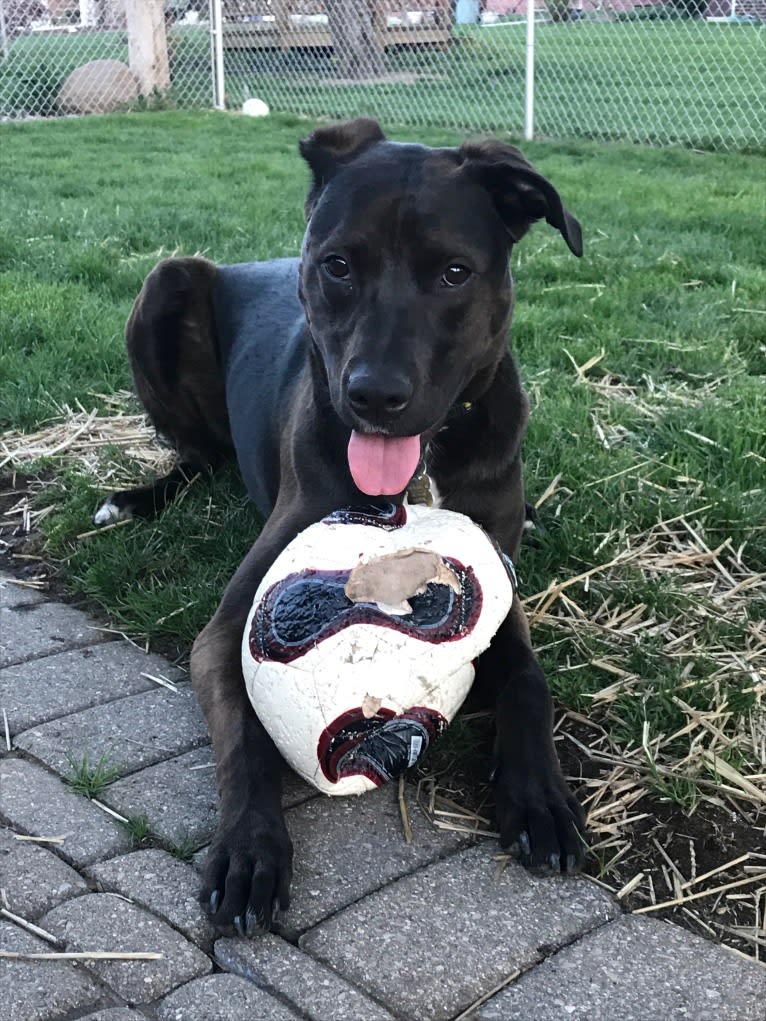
x=529 y=92
x=216 y=53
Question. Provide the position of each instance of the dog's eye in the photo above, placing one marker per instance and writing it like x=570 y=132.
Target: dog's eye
x=455 y=275
x=336 y=267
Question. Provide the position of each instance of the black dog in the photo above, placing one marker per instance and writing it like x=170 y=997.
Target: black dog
x=332 y=377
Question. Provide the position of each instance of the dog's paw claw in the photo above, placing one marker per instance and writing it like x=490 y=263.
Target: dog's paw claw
x=248 y=872
x=256 y=921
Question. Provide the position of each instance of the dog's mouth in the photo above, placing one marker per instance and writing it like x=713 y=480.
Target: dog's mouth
x=382 y=465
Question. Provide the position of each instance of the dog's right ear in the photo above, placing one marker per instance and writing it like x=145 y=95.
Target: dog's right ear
x=521 y=194
x=329 y=148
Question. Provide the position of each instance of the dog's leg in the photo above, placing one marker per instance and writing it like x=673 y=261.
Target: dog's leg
x=148 y=501
x=249 y=865
x=539 y=818
x=173 y=352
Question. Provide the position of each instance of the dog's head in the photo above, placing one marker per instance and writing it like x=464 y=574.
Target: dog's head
x=405 y=281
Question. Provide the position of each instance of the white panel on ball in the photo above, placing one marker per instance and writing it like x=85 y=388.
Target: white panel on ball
x=359 y=647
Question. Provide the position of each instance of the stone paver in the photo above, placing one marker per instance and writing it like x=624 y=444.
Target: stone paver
x=281 y=968
x=43 y=689
x=12 y=593
x=33 y=879
x=114 y=1014
x=347 y=847
x=33 y=801
x=430 y=945
x=190 y=813
x=161 y=884
x=103 y=921
x=41 y=629
x=422 y=931
x=36 y=990
x=636 y=969
x=223 y=998
x=130 y=733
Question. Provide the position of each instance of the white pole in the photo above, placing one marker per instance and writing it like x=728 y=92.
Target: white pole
x=216 y=52
x=3 y=32
x=529 y=111
x=88 y=14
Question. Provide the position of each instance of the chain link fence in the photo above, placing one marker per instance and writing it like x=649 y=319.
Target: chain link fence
x=71 y=56
x=689 y=72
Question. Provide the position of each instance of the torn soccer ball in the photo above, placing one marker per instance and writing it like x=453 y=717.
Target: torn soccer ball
x=361 y=642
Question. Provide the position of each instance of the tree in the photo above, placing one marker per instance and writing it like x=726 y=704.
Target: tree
x=19 y=14
x=147 y=45
x=690 y=8
x=558 y=10
x=355 y=44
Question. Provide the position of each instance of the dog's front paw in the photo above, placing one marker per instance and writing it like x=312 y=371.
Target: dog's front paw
x=541 y=822
x=247 y=877
x=114 y=508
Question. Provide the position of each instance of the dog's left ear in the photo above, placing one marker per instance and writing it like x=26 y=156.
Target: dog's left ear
x=520 y=194
x=327 y=149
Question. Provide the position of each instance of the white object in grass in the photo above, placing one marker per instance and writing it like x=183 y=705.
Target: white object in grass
x=255 y=108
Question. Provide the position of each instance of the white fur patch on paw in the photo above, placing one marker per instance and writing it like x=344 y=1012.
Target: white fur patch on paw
x=109 y=512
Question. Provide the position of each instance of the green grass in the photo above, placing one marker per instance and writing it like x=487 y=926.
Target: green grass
x=670 y=289
x=681 y=82
x=90 y=778
x=139 y=831
x=185 y=847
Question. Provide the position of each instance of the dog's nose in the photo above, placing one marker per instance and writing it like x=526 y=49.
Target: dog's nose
x=374 y=397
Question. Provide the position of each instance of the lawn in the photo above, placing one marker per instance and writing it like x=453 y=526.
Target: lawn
x=682 y=82
x=645 y=363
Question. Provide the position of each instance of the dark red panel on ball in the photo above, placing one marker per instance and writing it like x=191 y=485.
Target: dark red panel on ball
x=306 y=607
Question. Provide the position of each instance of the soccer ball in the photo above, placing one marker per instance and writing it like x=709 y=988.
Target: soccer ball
x=360 y=645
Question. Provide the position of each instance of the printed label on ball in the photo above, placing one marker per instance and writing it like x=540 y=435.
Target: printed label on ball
x=416 y=746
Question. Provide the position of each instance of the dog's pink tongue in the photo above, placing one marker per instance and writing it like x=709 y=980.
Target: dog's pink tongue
x=382 y=465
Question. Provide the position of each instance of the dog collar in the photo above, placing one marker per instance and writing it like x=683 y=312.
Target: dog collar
x=419 y=489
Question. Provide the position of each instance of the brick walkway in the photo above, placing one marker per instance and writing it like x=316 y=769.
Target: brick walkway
x=378 y=929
